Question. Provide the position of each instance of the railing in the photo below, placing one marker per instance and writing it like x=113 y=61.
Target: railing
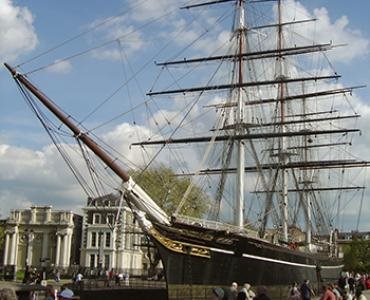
x=90 y=284
x=208 y=224
x=96 y=274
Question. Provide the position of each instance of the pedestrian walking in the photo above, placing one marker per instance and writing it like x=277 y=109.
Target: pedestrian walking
x=327 y=293
x=294 y=293
x=248 y=291
x=306 y=290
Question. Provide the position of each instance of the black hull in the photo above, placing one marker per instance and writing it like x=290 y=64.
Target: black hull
x=237 y=259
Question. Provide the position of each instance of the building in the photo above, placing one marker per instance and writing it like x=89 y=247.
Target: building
x=2 y=241
x=41 y=237
x=110 y=237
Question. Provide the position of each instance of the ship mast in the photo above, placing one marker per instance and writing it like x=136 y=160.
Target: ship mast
x=239 y=207
x=306 y=181
x=283 y=154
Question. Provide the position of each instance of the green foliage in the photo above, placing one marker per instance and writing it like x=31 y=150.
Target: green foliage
x=357 y=256
x=19 y=275
x=167 y=190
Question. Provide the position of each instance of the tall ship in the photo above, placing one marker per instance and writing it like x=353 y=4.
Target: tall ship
x=273 y=167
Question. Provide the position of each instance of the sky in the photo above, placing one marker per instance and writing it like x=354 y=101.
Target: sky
x=31 y=171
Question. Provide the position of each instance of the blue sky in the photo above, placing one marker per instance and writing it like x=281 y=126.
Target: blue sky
x=80 y=84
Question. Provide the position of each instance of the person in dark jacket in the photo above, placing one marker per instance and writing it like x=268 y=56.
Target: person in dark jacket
x=241 y=296
x=306 y=290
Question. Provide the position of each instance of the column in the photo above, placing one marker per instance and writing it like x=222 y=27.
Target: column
x=16 y=234
x=65 y=250
x=6 y=250
x=61 y=259
x=12 y=249
x=45 y=245
x=57 y=251
x=29 y=253
x=69 y=243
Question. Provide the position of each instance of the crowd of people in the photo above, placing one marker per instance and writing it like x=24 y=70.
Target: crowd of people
x=349 y=286
x=244 y=293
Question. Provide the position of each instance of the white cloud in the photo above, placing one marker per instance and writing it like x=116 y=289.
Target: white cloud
x=60 y=67
x=151 y=8
x=35 y=177
x=42 y=178
x=121 y=138
x=325 y=30
x=17 y=34
x=10 y=201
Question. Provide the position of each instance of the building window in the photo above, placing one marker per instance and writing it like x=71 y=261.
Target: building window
x=106 y=261
x=92 y=260
x=96 y=218
x=107 y=239
x=110 y=219
x=93 y=239
x=100 y=239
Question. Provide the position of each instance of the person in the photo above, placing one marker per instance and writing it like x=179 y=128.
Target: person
x=306 y=290
x=57 y=275
x=262 y=293
x=241 y=296
x=294 y=293
x=7 y=294
x=79 y=277
x=106 y=281
x=343 y=281
x=217 y=293
x=248 y=292
x=117 y=279
x=65 y=294
x=327 y=293
x=337 y=291
x=234 y=291
x=127 y=279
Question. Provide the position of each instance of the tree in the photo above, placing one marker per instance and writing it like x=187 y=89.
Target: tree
x=167 y=190
x=357 y=256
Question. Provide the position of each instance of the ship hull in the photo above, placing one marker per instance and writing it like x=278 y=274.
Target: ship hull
x=194 y=263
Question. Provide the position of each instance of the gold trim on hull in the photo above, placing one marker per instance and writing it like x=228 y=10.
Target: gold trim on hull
x=180 y=247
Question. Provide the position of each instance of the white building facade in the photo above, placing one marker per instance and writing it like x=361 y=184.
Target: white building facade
x=110 y=238
x=42 y=237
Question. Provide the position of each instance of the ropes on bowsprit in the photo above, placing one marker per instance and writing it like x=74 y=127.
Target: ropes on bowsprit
x=47 y=125
x=99 y=179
